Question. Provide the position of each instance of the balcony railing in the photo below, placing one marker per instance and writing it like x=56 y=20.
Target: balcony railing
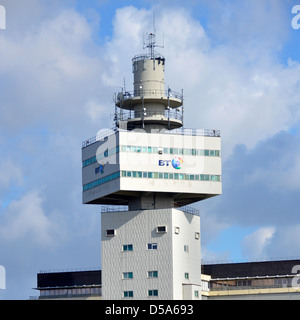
x=129 y=115
x=186 y=209
x=141 y=93
x=186 y=132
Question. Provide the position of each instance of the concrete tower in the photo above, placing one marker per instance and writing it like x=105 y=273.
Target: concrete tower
x=150 y=164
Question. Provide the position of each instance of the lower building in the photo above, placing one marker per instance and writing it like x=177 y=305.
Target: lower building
x=265 y=280
x=81 y=285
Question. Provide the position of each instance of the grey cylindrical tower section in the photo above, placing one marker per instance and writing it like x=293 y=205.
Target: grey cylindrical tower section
x=149 y=77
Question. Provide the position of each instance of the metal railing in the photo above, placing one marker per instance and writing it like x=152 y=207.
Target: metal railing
x=147 y=56
x=186 y=209
x=150 y=93
x=146 y=115
x=230 y=288
x=188 y=132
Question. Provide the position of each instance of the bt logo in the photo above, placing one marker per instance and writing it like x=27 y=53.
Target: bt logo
x=100 y=169
x=176 y=163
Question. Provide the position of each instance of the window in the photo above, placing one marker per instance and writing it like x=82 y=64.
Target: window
x=196 y=294
x=152 y=246
x=197 y=235
x=161 y=229
x=110 y=232
x=177 y=230
x=186 y=248
x=152 y=293
x=127 y=275
x=152 y=274
x=186 y=276
x=127 y=294
x=127 y=247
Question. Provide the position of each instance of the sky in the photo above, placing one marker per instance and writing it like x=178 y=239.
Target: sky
x=61 y=61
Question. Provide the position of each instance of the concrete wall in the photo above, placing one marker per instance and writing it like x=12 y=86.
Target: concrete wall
x=169 y=260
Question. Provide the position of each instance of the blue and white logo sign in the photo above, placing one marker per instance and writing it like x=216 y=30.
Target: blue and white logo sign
x=176 y=163
x=100 y=169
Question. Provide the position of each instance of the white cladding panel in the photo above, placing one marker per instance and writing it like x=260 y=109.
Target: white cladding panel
x=176 y=259
x=119 y=160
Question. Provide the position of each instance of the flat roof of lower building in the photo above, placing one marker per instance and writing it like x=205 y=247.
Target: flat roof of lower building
x=250 y=269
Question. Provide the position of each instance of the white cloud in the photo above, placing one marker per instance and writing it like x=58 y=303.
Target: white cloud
x=243 y=90
x=10 y=173
x=255 y=245
x=26 y=220
x=49 y=74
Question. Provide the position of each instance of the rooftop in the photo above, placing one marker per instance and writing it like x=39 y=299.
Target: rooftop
x=182 y=131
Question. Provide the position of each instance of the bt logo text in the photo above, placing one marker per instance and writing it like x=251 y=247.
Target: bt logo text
x=296 y=19
x=2 y=278
x=2 y=18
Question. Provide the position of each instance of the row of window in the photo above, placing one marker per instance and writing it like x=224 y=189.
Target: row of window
x=171 y=176
x=151 y=293
x=152 y=175
x=151 y=150
x=150 y=275
x=153 y=246
x=172 y=151
x=71 y=292
x=101 y=181
x=129 y=247
x=100 y=156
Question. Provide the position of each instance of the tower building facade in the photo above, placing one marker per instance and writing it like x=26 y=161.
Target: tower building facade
x=147 y=170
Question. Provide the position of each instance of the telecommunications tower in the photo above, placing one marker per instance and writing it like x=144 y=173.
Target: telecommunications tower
x=147 y=170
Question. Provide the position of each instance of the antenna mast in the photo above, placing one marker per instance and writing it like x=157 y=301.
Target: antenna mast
x=151 y=41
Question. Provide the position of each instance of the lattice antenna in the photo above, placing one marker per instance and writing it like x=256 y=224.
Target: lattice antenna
x=151 y=41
